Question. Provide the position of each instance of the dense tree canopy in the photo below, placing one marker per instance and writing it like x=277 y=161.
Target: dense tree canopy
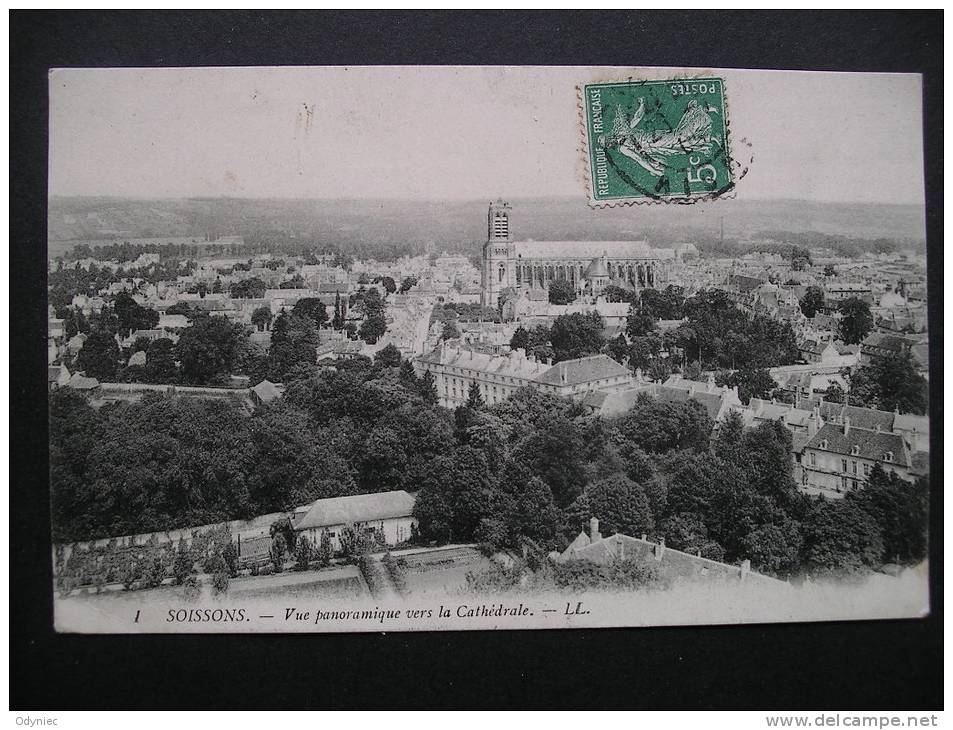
x=856 y=321
x=99 y=357
x=294 y=340
x=889 y=383
x=374 y=325
x=576 y=335
x=719 y=335
x=253 y=288
x=311 y=308
x=561 y=292
x=751 y=383
x=840 y=537
x=813 y=301
x=132 y=316
x=209 y=350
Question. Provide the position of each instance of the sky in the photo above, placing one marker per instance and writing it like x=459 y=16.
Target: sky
x=452 y=132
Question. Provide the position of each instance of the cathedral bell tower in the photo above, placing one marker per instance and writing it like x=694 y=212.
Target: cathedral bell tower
x=497 y=273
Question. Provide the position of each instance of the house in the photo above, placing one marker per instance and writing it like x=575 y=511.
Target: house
x=673 y=564
x=878 y=345
x=390 y=513
x=341 y=349
x=56 y=328
x=58 y=376
x=718 y=401
x=455 y=369
x=815 y=351
x=840 y=457
x=265 y=392
x=173 y=322
x=836 y=292
x=743 y=283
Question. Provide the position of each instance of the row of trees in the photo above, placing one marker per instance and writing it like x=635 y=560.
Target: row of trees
x=212 y=348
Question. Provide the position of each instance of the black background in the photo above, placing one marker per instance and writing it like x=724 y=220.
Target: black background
x=857 y=665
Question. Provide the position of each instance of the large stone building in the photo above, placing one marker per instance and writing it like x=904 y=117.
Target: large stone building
x=835 y=446
x=588 y=265
x=840 y=457
x=454 y=369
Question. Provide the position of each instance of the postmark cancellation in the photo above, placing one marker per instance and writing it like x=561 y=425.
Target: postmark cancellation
x=656 y=141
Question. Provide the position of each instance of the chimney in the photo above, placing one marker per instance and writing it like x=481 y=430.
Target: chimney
x=660 y=549
x=846 y=425
x=643 y=537
x=549 y=361
x=594 y=533
x=745 y=568
x=562 y=372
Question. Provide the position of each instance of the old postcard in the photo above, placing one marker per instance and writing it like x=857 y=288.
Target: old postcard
x=439 y=348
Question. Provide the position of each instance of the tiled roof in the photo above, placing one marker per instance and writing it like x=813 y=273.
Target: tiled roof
x=673 y=563
x=885 y=342
x=584 y=250
x=357 y=508
x=868 y=418
x=617 y=402
x=511 y=365
x=870 y=444
x=266 y=391
x=579 y=542
x=768 y=411
x=583 y=370
x=744 y=283
x=711 y=401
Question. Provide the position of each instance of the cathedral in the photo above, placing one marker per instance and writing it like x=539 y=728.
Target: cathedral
x=589 y=266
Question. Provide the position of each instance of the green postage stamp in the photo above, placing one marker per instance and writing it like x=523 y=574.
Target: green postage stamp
x=657 y=141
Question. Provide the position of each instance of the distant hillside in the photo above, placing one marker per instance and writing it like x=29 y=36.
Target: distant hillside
x=368 y=227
